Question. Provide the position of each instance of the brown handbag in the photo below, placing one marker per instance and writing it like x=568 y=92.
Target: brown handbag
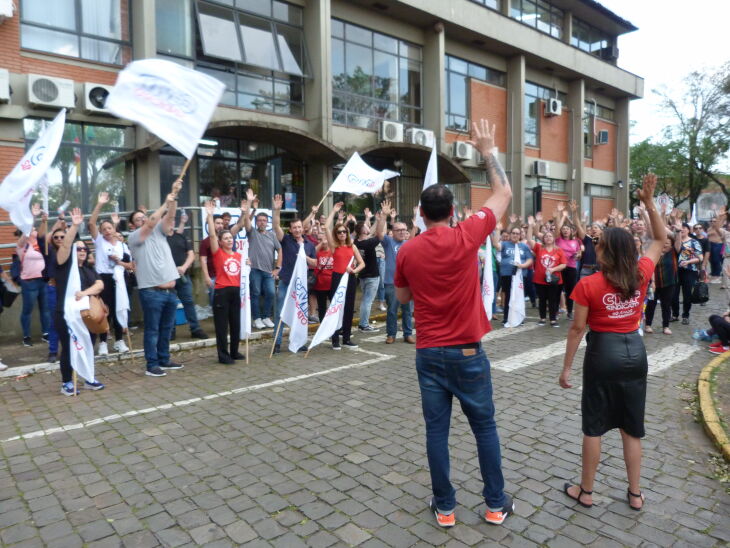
x=95 y=318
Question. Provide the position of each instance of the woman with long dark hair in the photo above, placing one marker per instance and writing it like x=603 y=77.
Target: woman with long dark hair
x=343 y=251
x=689 y=262
x=568 y=241
x=610 y=302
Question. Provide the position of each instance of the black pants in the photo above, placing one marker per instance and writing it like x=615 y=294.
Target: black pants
x=548 y=296
x=687 y=280
x=665 y=296
x=322 y=295
x=721 y=328
x=109 y=296
x=64 y=339
x=346 y=330
x=570 y=278
x=227 y=314
x=506 y=283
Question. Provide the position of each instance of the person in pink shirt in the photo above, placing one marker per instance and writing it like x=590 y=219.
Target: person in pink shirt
x=32 y=284
x=572 y=248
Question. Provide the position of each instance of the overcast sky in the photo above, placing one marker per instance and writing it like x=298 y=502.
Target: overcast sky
x=674 y=38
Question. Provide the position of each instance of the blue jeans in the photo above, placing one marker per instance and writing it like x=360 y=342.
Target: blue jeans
x=262 y=283
x=184 y=289
x=391 y=322
x=369 y=289
x=211 y=291
x=34 y=290
x=280 y=297
x=381 y=285
x=52 y=333
x=158 y=309
x=445 y=372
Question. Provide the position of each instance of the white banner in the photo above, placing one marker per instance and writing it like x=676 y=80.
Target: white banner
x=121 y=296
x=235 y=213
x=488 y=280
x=332 y=320
x=295 y=312
x=517 y=294
x=18 y=187
x=173 y=102
x=359 y=178
x=80 y=348
x=245 y=291
x=431 y=178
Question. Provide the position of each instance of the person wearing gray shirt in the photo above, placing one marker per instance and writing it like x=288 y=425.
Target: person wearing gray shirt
x=264 y=253
x=156 y=275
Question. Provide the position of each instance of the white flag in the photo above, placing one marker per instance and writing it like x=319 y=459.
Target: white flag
x=80 y=348
x=358 y=178
x=173 y=102
x=332 y=320
x=295 y=312
x=245 y=290
x=43 y=187
x=121 y=296
x=18 y=187
x=431 y=178
x=693 y=219
x=488 y=280
x=517 y=295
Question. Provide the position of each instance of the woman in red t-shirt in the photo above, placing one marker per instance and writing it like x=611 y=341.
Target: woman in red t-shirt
x=549 y=262
x=610 y=302
x=227 y=292
x=323 y=270
x=343 y=252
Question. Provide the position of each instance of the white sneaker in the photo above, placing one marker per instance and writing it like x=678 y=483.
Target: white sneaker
x=3 y=367
x=268 y=322
x=103 y=350
x=382 y=307
x=258 y=324
x=120 y=346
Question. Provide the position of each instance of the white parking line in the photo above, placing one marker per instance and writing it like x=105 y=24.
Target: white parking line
x=182 y=403
x=669 y=355
x=532 y=357
x=499 y=333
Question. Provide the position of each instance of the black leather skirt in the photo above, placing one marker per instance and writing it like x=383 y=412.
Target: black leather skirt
x=614 y=383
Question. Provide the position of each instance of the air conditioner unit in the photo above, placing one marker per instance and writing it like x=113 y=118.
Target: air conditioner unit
x=6 y=9
x=390 y=132
x=4 y=85
x=48 y=92
x=553 y=107
x=95 y=97
x=423 y=137
x=602 y=137
x=462 y=151
x=540 y=168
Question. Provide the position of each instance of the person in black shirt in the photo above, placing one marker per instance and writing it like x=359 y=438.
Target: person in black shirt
x=370 y=275
x=589 y=237
x=90 y=285
x=183 y=255
x=58 y=232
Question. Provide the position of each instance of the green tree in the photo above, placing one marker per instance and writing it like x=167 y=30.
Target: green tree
x=664 y=160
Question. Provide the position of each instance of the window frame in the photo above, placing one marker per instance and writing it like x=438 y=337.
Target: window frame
x=592 y=33
x=498 y=75
x=556 y=16
x=541 y=93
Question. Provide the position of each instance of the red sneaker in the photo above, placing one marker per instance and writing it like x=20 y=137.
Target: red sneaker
x=444 y=520
x=719 y=349
x=716 y=345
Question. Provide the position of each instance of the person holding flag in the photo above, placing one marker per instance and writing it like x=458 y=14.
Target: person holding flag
x=89 y=284
x=515 y=255
x=227 y=297
x=343 y=251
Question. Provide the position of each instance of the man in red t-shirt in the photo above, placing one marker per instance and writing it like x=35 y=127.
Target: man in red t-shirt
x=438 y=270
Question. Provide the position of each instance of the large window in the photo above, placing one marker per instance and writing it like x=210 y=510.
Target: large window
x=97 y=30
x=591 y=111
x=493 y=4
x=255 y=47
x=535 y=95
x=589 y=38
x=540 y=14
x=77 y=174
x=375 y=77
x=458 y=74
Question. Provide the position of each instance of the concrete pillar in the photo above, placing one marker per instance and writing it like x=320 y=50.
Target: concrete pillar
x=148 y=180
x=623 y=122
x=434 y=85
x=576 y=100
x=144 y=44
x=516 y=131
x=319 y=179
x=567 y=26
x=318 y=89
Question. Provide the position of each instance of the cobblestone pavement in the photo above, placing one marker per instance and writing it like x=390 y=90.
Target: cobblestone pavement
x=329 y=451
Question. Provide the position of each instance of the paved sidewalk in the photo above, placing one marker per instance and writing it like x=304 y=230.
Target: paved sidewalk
x=329 y=451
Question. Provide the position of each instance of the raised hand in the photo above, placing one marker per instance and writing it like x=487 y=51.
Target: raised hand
x=614 y=212
x=573 y=205
x=250 y=196
x=115 y=219
x=368 y=214
x=315 y=209
x=385 y=208
x=176 y=187
x=103 y=198
x=278 y=201
x=76 y=216
x=393 y=215
x=538 y=216
x=338 y=206
x=646 y=192
x=244 y=206
x=531 y=220
x=209 y=207
x=483 y=136
x=560 y=207
x=513 y=218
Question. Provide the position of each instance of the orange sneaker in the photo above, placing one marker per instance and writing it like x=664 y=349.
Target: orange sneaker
x=497 y=517
x=444 y=520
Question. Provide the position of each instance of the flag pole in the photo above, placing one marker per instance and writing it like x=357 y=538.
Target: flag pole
x=247 y=348
x=75 y=389
x=323 y=198
x=185 y=167
x=131 y=352
x=278 y=327
x=308 y=351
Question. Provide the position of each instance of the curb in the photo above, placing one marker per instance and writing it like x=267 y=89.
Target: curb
x=710 y=418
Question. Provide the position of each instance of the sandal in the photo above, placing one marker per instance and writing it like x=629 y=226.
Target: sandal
x=629 y=494
x=577 y=499
x=648 y=329
x=667 y=331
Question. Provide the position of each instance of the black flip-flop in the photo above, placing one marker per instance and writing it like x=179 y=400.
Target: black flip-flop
x=629 y=494
x=577 y=499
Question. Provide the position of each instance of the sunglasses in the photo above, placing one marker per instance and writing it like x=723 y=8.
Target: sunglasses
x=342 y=232
x=82 y=249
x=58 y=237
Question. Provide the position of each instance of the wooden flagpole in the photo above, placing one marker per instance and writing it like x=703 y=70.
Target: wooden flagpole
x=75 y=381
x=322 y=200
x=247 y=348
x=278 y=327
x=131 y=352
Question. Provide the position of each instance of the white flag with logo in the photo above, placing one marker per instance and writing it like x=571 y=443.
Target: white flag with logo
x=245 y=290
x=18 y=187
x=295 y=312
x=173 y=102
x=121 y=296
x=81 y=350
x=431 y=178
x=333 y=318
x=359 y=178
x=488 y=280
x=517 y=294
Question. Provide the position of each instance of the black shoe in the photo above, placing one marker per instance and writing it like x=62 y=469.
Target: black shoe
x=303 y=348
x=570 y=315
x=674 y=319
x=226 y=360
x=172 y=365
x=238 y=356
x=349 y=344
x=277 y=349
x=199 y=334
x=44 y=337
x=155 y=372
x=52 y=358
x=27 y=341
x=685 y=321
x=336 y=345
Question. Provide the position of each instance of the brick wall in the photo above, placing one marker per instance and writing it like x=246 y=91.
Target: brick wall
x=9 y=156
x=601 y=207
